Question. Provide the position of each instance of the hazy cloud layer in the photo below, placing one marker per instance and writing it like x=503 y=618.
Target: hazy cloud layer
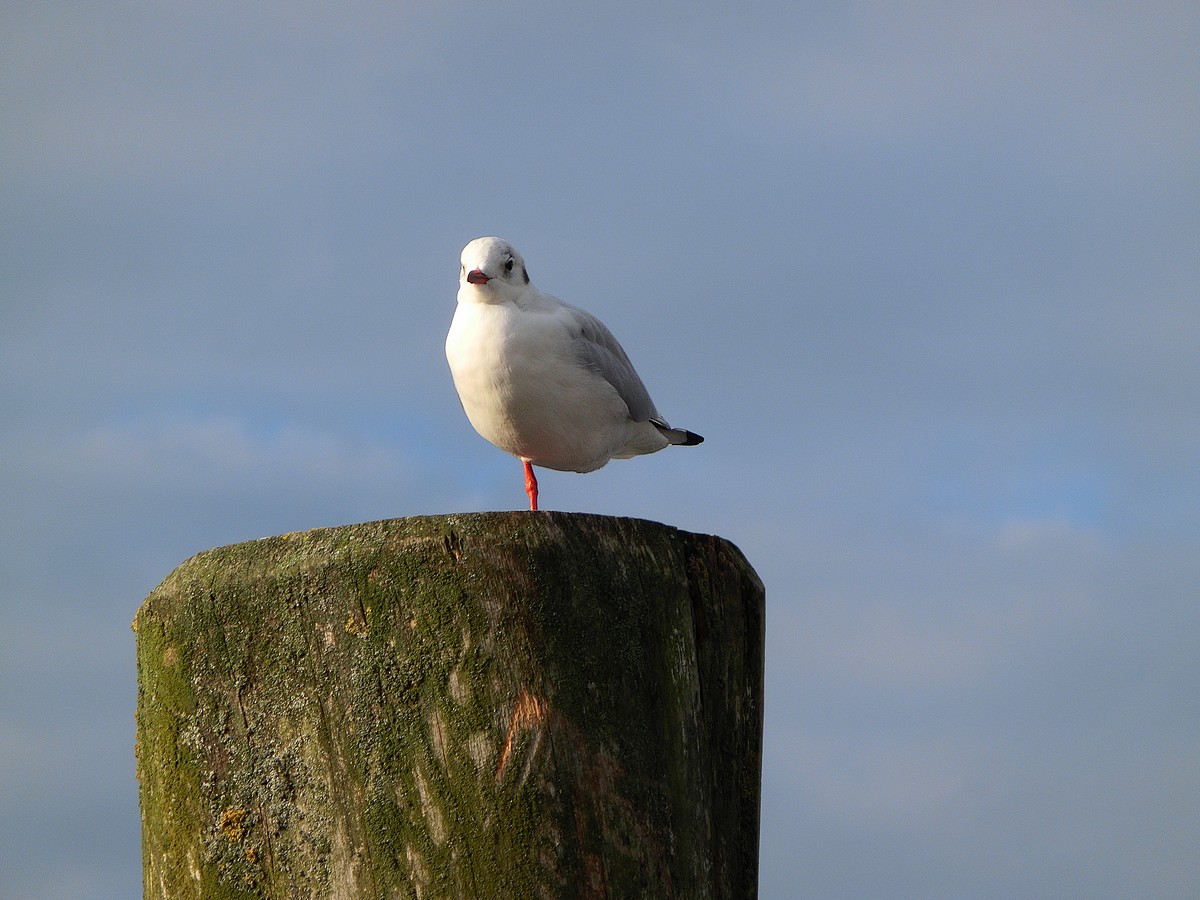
x=925 y=277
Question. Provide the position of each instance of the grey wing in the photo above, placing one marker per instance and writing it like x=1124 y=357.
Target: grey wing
x=599 y=351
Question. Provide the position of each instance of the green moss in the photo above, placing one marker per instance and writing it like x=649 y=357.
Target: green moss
x=482 y=705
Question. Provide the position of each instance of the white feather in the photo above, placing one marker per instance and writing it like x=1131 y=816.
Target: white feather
x=541 y=379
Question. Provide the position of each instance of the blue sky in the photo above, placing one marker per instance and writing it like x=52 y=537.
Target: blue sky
x=924 y=275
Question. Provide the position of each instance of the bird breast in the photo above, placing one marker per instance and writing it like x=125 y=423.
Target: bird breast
x=524 y=391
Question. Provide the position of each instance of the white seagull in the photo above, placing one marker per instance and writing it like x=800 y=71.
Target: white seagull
x=541 y=379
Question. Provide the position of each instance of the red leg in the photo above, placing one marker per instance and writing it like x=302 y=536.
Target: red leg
x=530 y=484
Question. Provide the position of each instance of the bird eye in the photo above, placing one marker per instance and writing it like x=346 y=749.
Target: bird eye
x=508 y=266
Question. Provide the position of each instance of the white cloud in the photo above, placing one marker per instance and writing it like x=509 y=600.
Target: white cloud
x=1044 y=535
x=180 y=484
x=229 y=451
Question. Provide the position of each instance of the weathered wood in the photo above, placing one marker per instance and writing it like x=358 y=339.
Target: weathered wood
x=500 y=705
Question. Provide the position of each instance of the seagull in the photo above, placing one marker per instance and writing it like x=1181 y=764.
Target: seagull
x=541 y=379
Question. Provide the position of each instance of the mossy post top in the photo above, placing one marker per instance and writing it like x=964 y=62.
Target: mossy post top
x=491 y=704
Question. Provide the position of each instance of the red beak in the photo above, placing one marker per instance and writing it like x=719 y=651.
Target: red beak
x=476 y=276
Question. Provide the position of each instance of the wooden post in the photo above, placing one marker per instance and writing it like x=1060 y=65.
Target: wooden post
x=496 y=705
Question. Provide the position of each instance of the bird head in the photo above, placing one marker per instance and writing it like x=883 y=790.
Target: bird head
x=495 y=269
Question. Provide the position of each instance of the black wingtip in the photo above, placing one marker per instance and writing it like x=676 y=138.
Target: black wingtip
x=680 y=437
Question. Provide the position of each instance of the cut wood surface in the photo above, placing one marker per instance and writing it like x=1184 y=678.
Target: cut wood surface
x=492 y=705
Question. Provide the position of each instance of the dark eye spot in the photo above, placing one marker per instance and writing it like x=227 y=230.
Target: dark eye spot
x=508 y=266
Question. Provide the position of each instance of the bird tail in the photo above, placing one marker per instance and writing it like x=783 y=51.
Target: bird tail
x=679 y=436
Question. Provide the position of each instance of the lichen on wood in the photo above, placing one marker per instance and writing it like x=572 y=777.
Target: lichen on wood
x=485 y=705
